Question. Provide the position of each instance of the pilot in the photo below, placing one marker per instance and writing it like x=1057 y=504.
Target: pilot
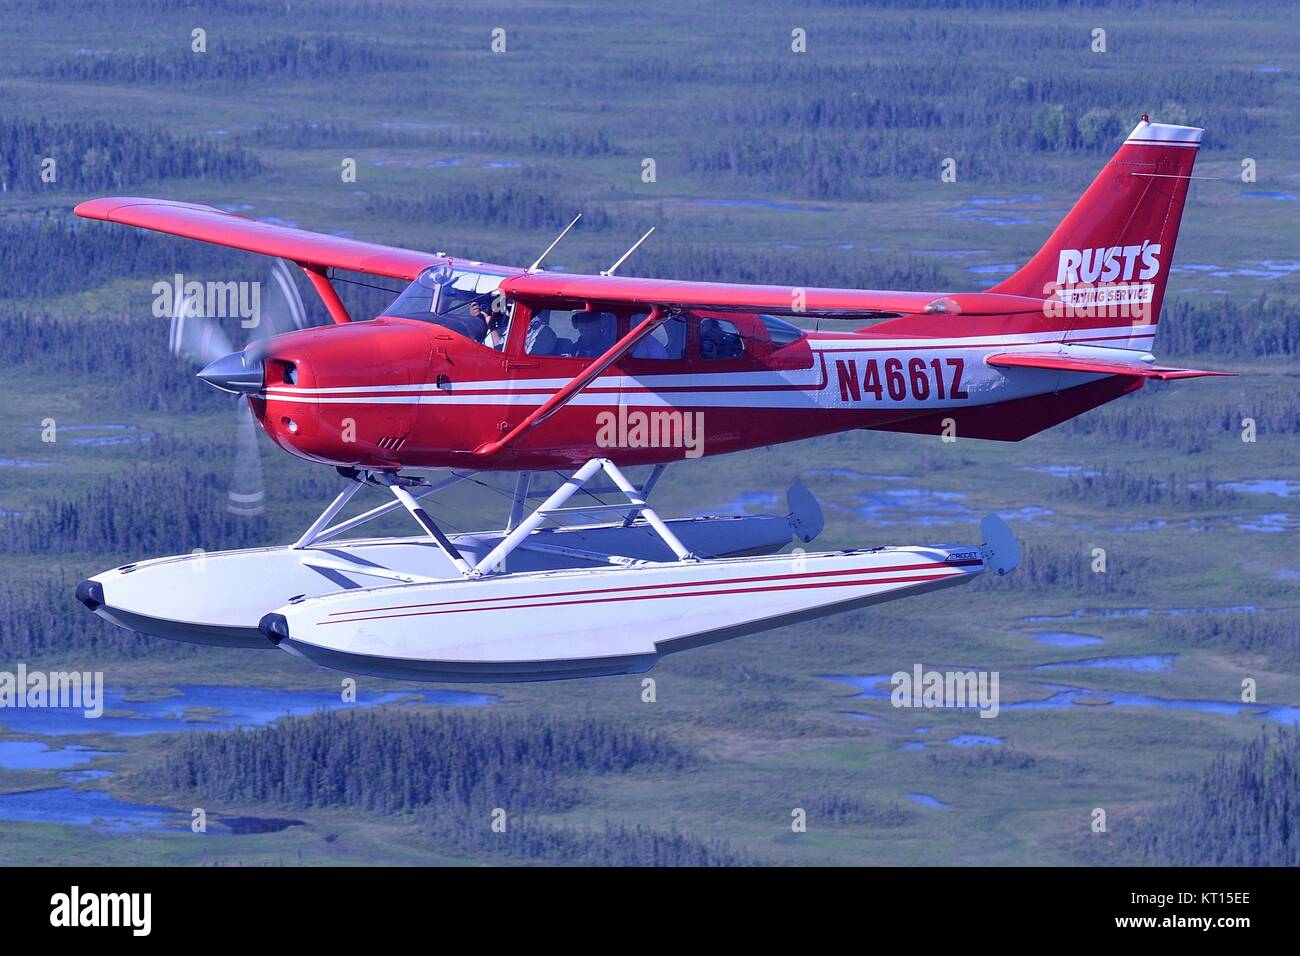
x=478 y=322
x=541 y=338
x=596 y=333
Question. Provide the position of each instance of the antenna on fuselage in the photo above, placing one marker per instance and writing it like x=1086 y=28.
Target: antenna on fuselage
x=538 y=262
x=623 y=257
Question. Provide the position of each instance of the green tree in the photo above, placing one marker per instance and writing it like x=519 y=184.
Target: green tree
x=1097 y=128
x=1051 y=127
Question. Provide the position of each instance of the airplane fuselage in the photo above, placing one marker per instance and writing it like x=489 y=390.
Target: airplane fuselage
x=398 y=393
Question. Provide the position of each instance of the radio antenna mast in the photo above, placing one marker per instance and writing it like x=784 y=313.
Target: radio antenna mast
x=623 y=258
x=538 y=262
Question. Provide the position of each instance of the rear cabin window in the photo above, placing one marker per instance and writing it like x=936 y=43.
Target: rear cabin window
x=781 y=332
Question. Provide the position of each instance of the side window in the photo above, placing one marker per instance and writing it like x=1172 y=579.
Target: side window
x=550 y=332
x=666 y=342
x=575 y=334
x=720 y=339
x=593 y=333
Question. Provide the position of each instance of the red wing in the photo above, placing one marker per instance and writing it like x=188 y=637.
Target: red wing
x=227 y=229
x=783 y=300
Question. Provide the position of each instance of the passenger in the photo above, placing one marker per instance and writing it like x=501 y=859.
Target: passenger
x=596 y=333
x=649 y=348
x=541 y=338
x=710 y=339
x=717 y=342
x=495 y=336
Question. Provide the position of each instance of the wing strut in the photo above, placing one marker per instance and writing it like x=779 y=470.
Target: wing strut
x=636 y=502
x=325 y=289
x=580 y=381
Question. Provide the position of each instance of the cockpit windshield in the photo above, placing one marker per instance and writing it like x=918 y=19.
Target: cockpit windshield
x=461 y=300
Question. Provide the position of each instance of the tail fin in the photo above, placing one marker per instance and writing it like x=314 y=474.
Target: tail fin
x=1108 y=260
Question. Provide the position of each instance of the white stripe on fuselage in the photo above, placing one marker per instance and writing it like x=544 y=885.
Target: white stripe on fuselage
x=792 y=389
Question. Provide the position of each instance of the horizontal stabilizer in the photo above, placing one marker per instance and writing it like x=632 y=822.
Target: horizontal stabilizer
x=1096 y=366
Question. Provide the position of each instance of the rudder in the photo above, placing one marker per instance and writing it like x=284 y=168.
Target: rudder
x=1108 y=261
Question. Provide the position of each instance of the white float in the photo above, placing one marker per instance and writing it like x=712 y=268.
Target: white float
x=527 y=602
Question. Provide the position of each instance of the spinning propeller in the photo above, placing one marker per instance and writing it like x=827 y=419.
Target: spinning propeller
x=201 y=339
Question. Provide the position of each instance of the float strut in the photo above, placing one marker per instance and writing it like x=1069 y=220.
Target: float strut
x=422 y=518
